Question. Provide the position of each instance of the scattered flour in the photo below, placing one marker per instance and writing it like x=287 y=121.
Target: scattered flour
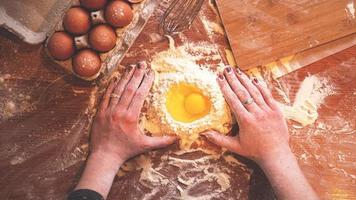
x=309 y=97
x=191 y=174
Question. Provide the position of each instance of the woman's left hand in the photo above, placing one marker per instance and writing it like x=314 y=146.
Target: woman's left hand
x=115 y=132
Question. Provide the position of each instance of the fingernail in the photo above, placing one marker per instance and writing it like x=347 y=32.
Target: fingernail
x=141 y=65
x=115 y=79
x=255 y=80
x=149 y=72
x=129 y=68
x=207 y=135
x=238 y=71
x=221 y=77
x=228 y=70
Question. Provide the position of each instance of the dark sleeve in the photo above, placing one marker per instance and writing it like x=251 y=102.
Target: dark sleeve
x=85 y=194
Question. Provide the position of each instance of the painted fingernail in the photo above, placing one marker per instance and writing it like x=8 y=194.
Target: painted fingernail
x=221 y=77
x=238 y=71
x=228 y=70
x=129 y=68
x=207 y=135
x=149 y=72
x=255 y=80
x=141 y=65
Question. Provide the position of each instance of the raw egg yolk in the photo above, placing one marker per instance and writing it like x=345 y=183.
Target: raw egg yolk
x=186 y=103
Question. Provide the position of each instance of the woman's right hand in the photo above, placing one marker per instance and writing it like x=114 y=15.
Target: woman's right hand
x=263 y=135
x=263 y=132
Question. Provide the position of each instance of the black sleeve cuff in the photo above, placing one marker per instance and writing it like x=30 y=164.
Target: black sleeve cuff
x=85 y=194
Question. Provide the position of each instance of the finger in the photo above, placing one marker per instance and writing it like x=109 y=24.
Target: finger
x=266 y=93
x=132 y=86
x=235 y=104
x=159 y=142
x=251 y=88
x=240 y=91
x=106 y=98
x=141 y=94
x=119 y=89
x=229 y=142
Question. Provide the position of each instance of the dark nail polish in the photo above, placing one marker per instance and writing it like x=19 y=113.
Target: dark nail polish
x=228 y=70
x=238 y=71
x=255 y=80
x=149 y=72
x=141 y=65
x=221 y=77
x=129 y=68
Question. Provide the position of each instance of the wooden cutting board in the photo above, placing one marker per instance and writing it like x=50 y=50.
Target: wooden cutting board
x=262 y=31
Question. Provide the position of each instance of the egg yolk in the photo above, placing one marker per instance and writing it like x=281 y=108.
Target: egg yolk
x=186 y=103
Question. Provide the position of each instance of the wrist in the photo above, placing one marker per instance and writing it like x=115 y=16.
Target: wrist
x=108 y=159
x=276 y=156
x=99 y=173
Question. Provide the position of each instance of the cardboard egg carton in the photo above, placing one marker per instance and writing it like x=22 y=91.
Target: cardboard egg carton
x=38 y=29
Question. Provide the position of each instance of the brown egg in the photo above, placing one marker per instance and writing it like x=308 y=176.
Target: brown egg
x=102 y=38
x=118 y=14
x=86 y=63
x=93 y=4
x=61 y=45
x=76 y=21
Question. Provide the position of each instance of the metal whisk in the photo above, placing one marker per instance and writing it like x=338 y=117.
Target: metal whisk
x=180 y=15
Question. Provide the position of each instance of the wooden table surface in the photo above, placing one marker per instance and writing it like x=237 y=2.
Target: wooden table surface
x=45 y=117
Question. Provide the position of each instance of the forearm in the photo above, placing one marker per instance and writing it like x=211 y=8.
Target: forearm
x=286 y=177
x=99 y=174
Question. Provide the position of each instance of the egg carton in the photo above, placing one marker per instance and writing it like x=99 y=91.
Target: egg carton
x=36 y=27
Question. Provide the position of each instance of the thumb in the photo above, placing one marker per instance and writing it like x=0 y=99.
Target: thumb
x=160 y=142
x=229 y=142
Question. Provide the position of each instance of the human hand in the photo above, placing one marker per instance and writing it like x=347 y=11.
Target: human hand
x=115 y=132
x=263 y=132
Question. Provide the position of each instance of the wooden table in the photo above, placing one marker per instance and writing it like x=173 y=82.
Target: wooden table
x=45 y=117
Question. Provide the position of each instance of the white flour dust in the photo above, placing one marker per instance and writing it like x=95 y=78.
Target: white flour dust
x=311 y=94
x=192 y=175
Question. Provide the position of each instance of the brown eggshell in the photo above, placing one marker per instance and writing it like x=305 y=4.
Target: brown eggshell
x=76 y=21
x=102 y=38
x=86 y=63
x=93 y=4
x=118 y=14
x=61 y=45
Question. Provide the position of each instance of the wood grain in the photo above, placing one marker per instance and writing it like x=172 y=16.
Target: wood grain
x=263 y=31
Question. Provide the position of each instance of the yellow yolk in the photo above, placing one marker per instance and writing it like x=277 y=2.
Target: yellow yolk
x=195 y=103
x=186 y=103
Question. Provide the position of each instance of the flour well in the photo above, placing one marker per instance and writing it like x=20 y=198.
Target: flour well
x=178 y=65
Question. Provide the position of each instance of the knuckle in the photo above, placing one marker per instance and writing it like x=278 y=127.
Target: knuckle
x=278 y=114
x=256 y=94
x=140 y=94
x=260 y=116
x=118 y=116
x=130 y=118
x=130 y=89
x=245 y=118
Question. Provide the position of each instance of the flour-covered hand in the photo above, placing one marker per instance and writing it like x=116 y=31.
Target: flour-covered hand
x=263 y=130
x=115 y=132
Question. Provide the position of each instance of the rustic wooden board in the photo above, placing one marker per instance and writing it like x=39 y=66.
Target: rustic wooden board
x=263 y=31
